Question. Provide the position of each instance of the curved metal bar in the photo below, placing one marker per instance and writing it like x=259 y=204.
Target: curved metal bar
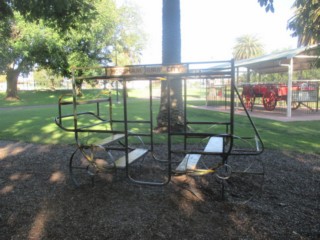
x=253 y=126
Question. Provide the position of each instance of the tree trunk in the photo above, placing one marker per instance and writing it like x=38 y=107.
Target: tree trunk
x=78 y=88
x=12 y=84
x=171 y=54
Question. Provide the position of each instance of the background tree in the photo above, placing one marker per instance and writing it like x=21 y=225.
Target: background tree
x=46 y=78
x=29 y=44
x=23 y=45
x=87 y=45
x=114 y=36
x=305 y=23
x=247 y=46
x=32 y=44
x=129 y=37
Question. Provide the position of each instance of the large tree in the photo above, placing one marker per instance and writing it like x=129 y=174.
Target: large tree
x=26 y=40
x=29 y=44
x=247 y=46
x=171 y=54
x=32 y=44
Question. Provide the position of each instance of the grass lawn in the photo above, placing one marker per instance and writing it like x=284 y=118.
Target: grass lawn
x=32 y=98
x=37 y=124
x=29 y=98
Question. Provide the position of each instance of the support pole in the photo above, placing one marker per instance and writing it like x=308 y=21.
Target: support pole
x=289 y=96
x=248 y=75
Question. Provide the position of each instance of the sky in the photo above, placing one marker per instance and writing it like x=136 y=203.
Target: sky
x=209 y=28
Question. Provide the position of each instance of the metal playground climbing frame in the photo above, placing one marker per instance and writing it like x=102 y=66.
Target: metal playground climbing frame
x=108 y=140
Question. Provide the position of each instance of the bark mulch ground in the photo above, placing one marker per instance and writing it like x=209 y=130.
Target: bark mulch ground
x=38 y=200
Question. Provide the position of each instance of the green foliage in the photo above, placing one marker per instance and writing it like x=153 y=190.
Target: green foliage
x=2 y=78
x=92 y=39
x=306 y=22
x=247 y=46
x=46 y=78
x=88 y=44
x=113 y=36
x=59 y=14
x=129 y=36
x=310 y=74
x=268 y=4
x=32 y=44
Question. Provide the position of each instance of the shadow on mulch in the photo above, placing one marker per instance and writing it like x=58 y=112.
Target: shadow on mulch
x=38 y=201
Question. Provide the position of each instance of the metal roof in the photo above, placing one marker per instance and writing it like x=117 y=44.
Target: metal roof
x=303 y=58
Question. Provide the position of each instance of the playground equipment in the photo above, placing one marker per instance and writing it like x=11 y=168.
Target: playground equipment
x=108 y=140
x=272 y=93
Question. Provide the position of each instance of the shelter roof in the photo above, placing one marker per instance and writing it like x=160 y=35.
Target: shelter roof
x=303 y=58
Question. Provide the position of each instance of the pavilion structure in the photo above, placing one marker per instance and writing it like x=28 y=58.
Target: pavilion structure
x=289 y=61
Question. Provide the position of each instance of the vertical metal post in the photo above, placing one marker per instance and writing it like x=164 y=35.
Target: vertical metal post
x=169 y=79
x=237 y=83
x=125 y=115
x=207 y=93
x=225 y=95
x=117 y=87
x=248 y=75
x=317 y=104
x=74 y=97
x=185 y=112
x=151 y=113
x=110 y=111
x=232 y=70
x=98 y=108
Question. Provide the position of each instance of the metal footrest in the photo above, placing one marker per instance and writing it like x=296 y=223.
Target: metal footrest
x=108 y=140
x=190 y=161
x=132 y=156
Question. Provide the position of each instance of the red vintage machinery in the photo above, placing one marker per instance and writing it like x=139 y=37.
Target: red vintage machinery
x=271 y=93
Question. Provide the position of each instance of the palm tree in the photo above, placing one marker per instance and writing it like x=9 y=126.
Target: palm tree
x=247 y=46
x=306 y=22
x=171 y=54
